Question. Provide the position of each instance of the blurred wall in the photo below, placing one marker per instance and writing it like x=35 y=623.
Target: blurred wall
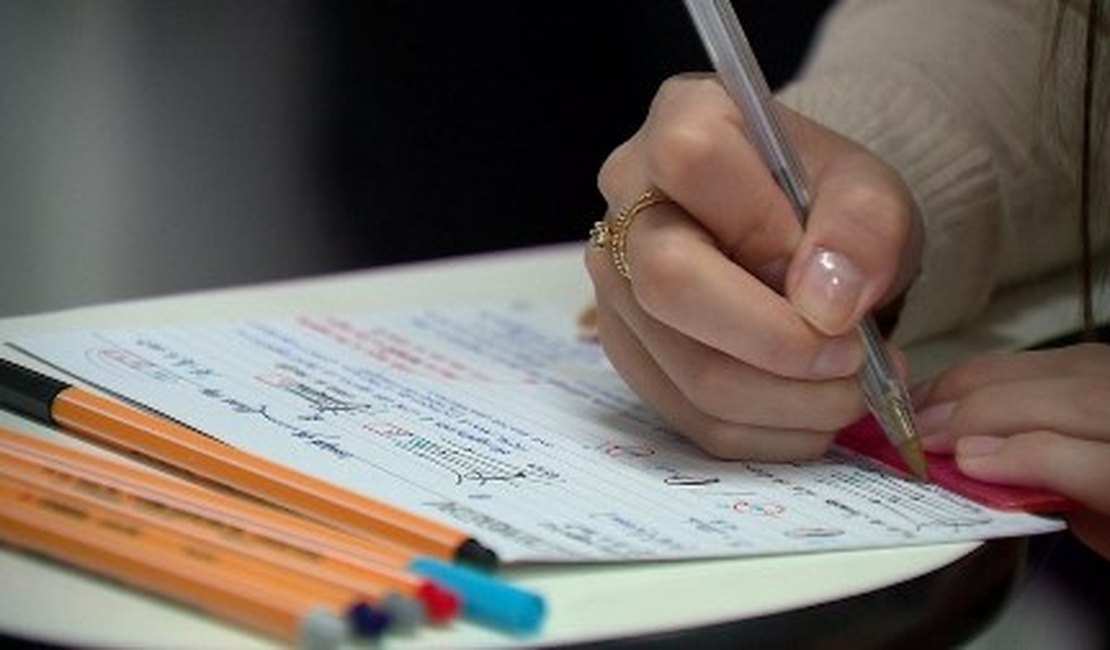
x=159 y=146
x=152 y=147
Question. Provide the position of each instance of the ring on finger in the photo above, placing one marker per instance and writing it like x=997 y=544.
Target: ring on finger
x=613 y=235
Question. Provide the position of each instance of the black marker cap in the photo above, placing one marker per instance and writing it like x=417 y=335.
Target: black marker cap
x=474 y=554
x=27 y=392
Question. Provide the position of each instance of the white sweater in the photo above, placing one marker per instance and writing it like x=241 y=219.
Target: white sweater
x=955 y=95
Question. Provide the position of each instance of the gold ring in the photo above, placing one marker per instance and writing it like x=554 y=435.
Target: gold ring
x=612 y=235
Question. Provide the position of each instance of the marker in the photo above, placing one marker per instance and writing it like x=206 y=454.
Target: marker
x=364 y=619
x=300 y=539
x=120 y=552
x=440 y=586
x=123 y=427
x=487 y=601
x=378 y=607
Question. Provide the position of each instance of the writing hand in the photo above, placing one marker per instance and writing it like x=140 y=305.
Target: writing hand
x=702 y=330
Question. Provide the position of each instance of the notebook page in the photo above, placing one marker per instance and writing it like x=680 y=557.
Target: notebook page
x=496 y=419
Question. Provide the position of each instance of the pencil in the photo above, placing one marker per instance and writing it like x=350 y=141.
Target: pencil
x=401 y=612
x=115 y=550
x=438 y=585
x=115 y=424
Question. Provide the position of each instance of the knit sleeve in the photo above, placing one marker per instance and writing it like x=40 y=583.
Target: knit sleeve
x=949 y=92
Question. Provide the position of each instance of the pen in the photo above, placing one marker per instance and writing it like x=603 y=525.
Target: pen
x=732 y=56
x=123 y=427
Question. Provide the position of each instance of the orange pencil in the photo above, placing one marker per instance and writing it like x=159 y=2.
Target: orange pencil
x=298 y=539
x=114 y=549
x=118 y=425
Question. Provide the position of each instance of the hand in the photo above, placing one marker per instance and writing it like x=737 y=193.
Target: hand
x=702 y=330
x=1039 y=419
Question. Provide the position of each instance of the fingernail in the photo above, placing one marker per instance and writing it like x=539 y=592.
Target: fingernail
x=839 y=358
x=931 y=427
x=979 y=446
x=828 y=290
x=975 y=455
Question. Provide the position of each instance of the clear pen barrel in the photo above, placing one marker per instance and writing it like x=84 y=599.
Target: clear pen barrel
x=886 y=397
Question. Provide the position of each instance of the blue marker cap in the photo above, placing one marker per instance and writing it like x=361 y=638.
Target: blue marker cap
x=366 y=620
x=485 y=598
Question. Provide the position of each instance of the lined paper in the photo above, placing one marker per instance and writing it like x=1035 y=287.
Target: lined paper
x=498 y=420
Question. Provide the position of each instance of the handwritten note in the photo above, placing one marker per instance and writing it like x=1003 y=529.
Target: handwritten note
x=498 y=420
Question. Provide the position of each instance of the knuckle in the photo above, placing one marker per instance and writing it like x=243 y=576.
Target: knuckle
x=678 y=87
x=680 y=149
x=661 y=274
x=790 y=350
x=879 y=213
x=707 y=384
x=671 y=87
x=612 y=170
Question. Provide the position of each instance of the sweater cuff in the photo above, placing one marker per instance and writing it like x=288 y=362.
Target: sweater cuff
x=952 y=179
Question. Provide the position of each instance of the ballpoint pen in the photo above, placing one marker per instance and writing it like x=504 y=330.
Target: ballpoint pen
x=732 y=56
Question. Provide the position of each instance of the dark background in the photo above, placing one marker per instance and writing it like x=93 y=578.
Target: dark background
x=160 y=146
x=155 y=146
x=455 y=127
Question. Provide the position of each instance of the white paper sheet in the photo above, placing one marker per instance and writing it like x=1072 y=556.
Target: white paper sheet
x=498 y=420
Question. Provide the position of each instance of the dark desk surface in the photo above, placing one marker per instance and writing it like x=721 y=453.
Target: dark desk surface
x=940 y=609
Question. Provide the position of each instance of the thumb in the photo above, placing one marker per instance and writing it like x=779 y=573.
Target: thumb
x=861 y=246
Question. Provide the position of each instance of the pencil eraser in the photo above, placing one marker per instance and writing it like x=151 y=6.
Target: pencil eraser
x=866 y=437
x=486 y=599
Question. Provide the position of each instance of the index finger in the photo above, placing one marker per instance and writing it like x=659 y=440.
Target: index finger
x=692 y=147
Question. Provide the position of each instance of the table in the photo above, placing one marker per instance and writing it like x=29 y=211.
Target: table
x=935 y=594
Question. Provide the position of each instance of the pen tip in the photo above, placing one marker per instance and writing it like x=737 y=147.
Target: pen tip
x=911 y=453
